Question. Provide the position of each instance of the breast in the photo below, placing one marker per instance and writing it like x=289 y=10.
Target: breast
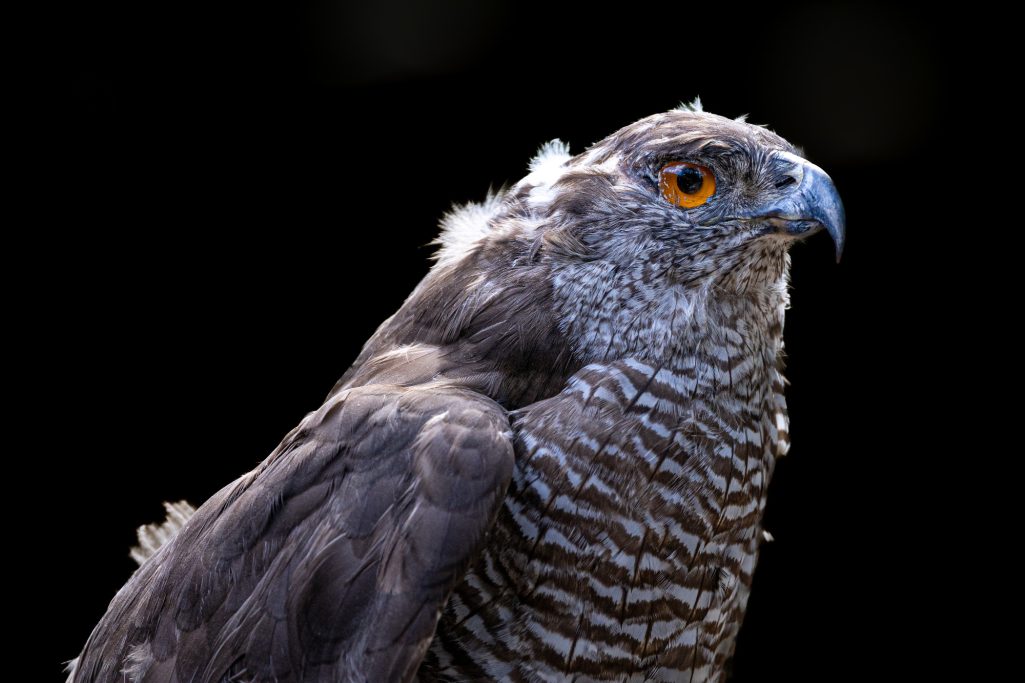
x=629 y=536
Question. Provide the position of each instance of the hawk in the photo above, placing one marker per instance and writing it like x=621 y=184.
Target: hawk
x=549 y=464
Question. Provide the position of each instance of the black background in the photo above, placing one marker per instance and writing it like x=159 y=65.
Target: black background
x=245 y=194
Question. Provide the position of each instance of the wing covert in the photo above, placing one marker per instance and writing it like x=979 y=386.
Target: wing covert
x=331 y=560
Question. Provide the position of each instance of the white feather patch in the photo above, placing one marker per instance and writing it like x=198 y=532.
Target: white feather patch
x=547 y=166
x=464 y=226
x=694 y=105
x=69 y=669
x=153 y=536
x=550 y=155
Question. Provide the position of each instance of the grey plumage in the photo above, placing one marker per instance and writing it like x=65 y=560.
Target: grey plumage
x=550 y=462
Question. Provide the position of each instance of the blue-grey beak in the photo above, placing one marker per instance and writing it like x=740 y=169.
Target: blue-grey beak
x=811 y=204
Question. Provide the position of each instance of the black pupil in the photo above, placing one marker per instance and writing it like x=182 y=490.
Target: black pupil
x=688 y=180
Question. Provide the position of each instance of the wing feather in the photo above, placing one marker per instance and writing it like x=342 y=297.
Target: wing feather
x=329 y=562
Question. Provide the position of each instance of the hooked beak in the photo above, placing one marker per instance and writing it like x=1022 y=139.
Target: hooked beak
x=812 y=204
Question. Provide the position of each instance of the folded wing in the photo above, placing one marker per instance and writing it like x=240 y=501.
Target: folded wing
x=329 y=562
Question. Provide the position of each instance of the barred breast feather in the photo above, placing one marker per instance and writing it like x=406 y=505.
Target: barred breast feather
x=626 y=546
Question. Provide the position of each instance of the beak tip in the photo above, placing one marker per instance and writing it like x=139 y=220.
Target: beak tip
x=818 y=198
x=839 y=241
x=837 y=229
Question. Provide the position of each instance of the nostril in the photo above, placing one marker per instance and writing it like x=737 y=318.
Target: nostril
x=787 y=181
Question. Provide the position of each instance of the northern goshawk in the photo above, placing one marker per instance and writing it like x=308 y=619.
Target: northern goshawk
x=549 y=464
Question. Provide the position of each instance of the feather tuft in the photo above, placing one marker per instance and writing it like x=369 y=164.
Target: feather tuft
x=464 y=226
x=153 y=536
x=552 y=153
x=69 y=668
x=694 y=105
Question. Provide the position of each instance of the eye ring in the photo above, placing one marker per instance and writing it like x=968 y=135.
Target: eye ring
x=685 y=184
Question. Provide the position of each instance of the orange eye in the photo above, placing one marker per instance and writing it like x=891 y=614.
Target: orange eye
x=686 y=185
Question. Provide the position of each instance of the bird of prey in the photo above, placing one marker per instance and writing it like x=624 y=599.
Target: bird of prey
x=549 y=464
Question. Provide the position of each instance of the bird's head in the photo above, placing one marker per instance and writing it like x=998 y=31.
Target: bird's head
x=651 y=227
x=711 y=194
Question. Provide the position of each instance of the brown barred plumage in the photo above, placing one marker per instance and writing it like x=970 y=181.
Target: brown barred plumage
x=621 y=547
x=549 y=464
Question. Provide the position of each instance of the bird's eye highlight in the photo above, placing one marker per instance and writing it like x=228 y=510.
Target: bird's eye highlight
x=686 y=185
